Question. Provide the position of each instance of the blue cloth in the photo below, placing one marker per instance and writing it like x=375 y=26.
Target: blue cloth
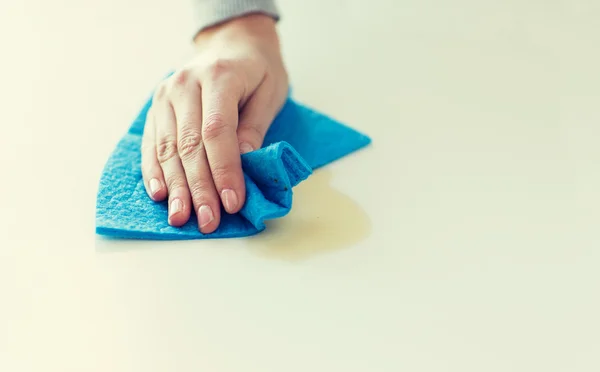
x=298 y=141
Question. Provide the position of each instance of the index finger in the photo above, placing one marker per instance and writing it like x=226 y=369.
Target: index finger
x=220 y=100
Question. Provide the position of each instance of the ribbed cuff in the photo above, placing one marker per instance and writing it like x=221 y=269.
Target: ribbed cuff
x=211 y=12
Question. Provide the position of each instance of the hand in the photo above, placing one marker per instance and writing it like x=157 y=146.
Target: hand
x=208 y=112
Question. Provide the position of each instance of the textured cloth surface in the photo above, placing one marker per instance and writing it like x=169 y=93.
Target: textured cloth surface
x=299 y=140
x=208 y=13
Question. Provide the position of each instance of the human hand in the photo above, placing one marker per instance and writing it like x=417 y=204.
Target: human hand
x=208 y=112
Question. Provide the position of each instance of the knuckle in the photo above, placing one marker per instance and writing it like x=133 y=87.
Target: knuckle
x=218 y=68
x=176 y=182
x=149 y=171
x=214 y=125
x=190 y=141
x=181 y=77
x=166 y=148
x=222 y=174
x=252 y=134
x=200 y=192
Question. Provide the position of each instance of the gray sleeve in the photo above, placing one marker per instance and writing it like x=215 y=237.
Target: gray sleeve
x=211 y=12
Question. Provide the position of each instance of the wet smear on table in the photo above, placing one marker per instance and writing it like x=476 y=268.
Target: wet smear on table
x=322 y=220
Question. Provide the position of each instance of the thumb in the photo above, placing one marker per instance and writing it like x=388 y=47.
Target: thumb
x=255 y=119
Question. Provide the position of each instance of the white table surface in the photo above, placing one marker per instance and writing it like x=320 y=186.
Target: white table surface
x=466 y=238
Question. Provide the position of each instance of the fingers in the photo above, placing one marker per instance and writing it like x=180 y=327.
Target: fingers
x=188 y=113
x=192 y=142
x=256 y=117
x=168 y=158
x=151 y=171
x=220 y=98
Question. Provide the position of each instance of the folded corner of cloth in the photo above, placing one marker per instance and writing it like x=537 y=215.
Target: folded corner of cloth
x=298 y=141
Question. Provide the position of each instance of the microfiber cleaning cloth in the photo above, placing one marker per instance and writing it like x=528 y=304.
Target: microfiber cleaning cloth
x=298 y=141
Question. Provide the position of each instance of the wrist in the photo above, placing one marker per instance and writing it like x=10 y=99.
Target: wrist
x=257 y=25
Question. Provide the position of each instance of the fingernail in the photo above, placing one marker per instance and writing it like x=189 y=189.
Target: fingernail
x=154 y=186
x=176 y=207
x=230 y=200
x=205 y=215
x=245 y=147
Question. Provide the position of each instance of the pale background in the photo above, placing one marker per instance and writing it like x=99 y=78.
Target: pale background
x=466 y=238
